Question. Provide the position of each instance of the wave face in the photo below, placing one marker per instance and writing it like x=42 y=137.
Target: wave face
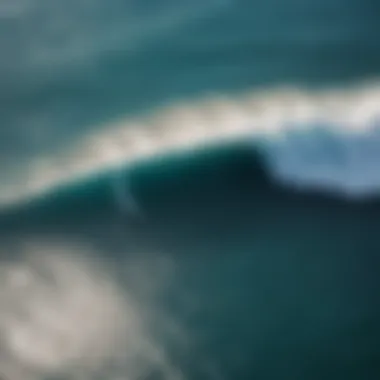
x=189 y=190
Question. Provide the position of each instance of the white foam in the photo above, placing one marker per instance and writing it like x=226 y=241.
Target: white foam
x=64 y=314
x=185 y=125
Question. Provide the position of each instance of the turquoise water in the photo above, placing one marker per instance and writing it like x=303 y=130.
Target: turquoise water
x=241 y=258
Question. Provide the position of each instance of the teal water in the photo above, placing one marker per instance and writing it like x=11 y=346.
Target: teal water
x=200 y=264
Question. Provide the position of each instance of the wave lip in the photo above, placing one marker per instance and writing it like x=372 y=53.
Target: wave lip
x=265 y=114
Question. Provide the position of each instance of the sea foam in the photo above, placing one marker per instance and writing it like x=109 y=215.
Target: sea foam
x=64 y=313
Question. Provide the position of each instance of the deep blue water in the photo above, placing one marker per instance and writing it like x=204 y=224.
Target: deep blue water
x=252 y=258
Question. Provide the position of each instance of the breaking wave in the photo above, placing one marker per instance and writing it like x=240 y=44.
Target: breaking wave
x=331 y=126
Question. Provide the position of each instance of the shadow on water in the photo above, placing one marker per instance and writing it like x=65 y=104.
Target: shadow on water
x=285 y=283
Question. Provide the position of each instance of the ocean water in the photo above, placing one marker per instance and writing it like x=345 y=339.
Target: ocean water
x=189 y=190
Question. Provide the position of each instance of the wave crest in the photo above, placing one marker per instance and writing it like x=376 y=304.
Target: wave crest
x=349 y=111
